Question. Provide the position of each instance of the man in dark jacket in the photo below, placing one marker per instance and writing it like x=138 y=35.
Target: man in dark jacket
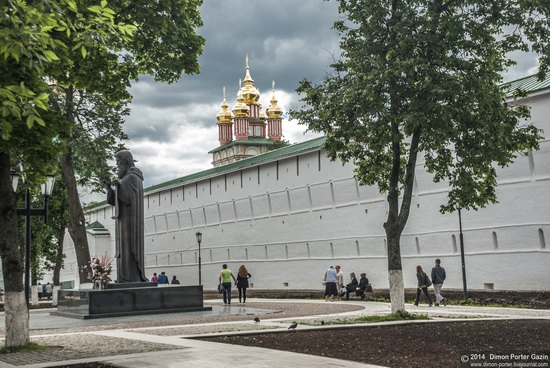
x=438 y=277
x=363 y=285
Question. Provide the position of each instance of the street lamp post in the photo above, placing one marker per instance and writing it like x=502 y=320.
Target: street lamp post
x=199 y=239
x=461 y=236
x=47 y=190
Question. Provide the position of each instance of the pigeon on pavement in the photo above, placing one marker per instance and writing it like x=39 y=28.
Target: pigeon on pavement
x=257 y=320
x=293 y=326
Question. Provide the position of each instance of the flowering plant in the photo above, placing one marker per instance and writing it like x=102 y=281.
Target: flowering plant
x=99 y=270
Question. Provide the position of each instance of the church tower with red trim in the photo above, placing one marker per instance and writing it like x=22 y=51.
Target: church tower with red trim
x=247 y=130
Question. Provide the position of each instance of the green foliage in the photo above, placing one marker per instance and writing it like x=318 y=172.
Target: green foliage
x=31 y=346
x=45 y=237
x=164 y=44
x=467 y=301
x=399 y=316
x=278 y=144
x=31 y=42
x=423 y=77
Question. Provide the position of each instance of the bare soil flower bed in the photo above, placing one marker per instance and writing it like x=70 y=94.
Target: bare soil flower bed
x=440 y=344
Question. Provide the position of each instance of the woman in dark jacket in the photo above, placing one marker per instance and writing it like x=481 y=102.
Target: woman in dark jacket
x=242 y=283
x=423 y=283
x=352 y=286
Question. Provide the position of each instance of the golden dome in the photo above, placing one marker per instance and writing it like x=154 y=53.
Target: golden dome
x=250 y=93
x=263 y=116
x=240 y=109
x=274 y=111
x=224 y=116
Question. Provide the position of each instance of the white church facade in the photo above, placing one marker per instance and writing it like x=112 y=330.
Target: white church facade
x=289 y=213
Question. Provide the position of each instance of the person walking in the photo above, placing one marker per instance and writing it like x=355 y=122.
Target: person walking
x=423 y=283
x=225 y=281
x=155 y=278
x=438 y=277
x=175 y=281
x=330 y=280
x=163 y=279
x=242 y=282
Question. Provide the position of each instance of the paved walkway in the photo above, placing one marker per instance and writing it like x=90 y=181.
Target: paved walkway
x=187 y=352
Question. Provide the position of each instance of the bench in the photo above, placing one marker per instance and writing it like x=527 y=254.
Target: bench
x=361 y=293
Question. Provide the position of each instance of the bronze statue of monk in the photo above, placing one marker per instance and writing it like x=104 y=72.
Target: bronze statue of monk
x=126 y=194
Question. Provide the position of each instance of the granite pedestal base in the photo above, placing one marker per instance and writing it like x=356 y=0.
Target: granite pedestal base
x=121 y=301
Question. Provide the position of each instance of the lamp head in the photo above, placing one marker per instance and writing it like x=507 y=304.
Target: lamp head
x=199 y=236
x=47 y=187
x=14 y=180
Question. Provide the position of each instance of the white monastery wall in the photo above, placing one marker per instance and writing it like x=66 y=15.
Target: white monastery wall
x=288 y=220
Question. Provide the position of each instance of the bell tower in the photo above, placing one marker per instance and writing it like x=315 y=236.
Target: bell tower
x=248 y=123
x=274 y=120
x=225 y=123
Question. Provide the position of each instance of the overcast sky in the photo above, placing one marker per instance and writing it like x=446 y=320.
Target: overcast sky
x=172 y=127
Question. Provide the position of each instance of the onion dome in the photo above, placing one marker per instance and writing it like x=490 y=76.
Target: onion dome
x=274 y=111
x=224 y=116
x=250 y=93
x=240 y=109
x=263 y=116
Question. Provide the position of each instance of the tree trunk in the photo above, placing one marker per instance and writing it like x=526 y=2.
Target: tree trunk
x=12 y=254
x=17 y=319
x=77 y=223
x=59 y=258
x=398 y=216
x=395 y=268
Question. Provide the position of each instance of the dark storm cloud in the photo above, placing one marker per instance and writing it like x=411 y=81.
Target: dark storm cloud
x=286 y=40
x=172 y=127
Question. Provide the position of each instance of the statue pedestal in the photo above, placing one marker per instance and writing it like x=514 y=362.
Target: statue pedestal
x=131 y=300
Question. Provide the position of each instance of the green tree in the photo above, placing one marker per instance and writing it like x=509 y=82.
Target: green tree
x=423 y=77
x=278 y=144
x=30 y=45
x=47 y=239
x=164 y=45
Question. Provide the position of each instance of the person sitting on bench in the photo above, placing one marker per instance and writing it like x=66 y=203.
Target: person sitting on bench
x=352 y=285
x=363 y=286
